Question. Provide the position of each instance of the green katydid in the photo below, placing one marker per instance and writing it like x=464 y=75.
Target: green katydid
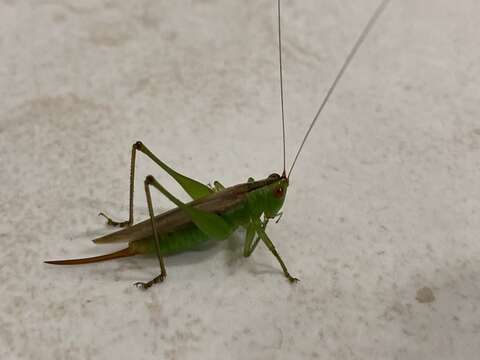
x=214 y=212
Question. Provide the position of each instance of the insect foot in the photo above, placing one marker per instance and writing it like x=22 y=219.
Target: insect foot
x=292 y=279
x=146 y=285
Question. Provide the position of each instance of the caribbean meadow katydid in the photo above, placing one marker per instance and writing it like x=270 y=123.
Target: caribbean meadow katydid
x=214 y=212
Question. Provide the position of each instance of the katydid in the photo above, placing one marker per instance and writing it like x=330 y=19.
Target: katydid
x=215 y=212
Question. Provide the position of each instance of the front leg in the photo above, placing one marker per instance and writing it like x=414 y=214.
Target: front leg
x=264 y=237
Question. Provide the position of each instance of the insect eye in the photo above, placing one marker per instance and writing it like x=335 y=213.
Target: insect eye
x=278 y=192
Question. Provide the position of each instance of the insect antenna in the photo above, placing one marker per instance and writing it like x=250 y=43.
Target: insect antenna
x=281 y=83
x=345 y=65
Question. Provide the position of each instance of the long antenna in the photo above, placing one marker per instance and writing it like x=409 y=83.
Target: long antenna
x=349 y=58
x=281 y=84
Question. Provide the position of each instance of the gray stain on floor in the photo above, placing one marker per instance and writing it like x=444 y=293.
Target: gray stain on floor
x=425 y=295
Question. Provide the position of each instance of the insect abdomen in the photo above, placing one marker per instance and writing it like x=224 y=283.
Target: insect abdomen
x=187 y=238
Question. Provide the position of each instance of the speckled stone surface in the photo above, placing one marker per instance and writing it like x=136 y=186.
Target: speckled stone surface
x=382 y=220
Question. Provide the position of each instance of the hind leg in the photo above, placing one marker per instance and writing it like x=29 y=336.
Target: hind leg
x=163 y=271
x=194 y=188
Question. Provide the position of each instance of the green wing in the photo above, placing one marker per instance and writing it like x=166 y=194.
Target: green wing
x=209 y=223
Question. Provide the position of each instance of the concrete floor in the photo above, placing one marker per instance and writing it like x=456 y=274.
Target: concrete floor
x=382 y=219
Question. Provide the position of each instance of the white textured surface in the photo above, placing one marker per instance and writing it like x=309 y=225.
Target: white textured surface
x=384 y=202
